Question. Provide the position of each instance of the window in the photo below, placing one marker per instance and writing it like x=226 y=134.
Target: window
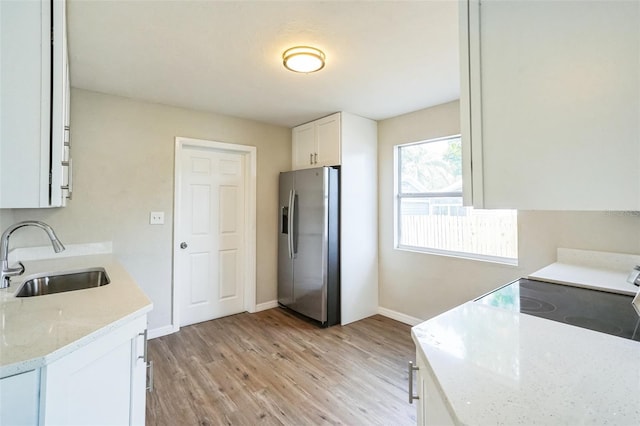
x=430 y=216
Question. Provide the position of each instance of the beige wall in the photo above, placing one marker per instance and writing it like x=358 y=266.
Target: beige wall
x=422 y=285
x=123 y=153
x=6 y=219
x=123 y=166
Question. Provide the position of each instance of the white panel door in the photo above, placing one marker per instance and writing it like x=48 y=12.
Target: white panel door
x=211 y=235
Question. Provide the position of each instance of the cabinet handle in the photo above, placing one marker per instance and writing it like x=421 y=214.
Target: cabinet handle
x=315 y=158
x=144 y=354
x=310 y=158
x=412 y=368
x=69 y=186
x=70 y=178
x=150 y=376
x=145 y=358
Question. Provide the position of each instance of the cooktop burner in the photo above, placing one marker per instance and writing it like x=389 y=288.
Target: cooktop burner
x=596 y=310
x=528 y=304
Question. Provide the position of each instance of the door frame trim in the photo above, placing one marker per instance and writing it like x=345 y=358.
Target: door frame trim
x=250 y=155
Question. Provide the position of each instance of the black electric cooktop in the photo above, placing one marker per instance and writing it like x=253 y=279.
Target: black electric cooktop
x=593 y=309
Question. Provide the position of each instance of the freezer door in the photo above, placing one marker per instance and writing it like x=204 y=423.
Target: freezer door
x=285 y=251
x=310 y=212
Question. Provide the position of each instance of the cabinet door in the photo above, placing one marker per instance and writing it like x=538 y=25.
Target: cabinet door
x=303 y=146
x=60 y=155
x=98 y=383
x=92 y=386
x=25 y=32
x=554 y=104
x=432 y=408
x=67 y=164
x=328 y=141
x=420 y=385
x=139 y=379
x=19 y=399
x=32 y=110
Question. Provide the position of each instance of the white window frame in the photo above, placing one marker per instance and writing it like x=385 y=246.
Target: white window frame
x=398 y=196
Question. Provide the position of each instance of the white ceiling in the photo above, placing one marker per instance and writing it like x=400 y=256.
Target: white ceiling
x=383 y=58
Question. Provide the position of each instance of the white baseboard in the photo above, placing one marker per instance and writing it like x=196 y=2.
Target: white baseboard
x=398 y=316
x=161 y=331
x=170 y=329
x=266 y=305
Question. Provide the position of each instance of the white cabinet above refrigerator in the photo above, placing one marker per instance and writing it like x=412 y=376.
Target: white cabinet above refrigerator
x=317 y=143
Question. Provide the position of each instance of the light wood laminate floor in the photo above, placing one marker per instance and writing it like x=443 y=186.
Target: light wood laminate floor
x=273 y=368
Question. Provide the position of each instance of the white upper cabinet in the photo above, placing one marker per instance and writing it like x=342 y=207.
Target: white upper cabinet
x=316 y=144
x=33 y=113
x=550 y=104
x=303 y=146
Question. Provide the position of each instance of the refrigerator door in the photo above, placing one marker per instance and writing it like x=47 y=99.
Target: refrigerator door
x=310 y=218
x=285 y=235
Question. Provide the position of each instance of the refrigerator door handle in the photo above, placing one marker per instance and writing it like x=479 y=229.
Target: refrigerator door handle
x=290 y=224
x=294 y=224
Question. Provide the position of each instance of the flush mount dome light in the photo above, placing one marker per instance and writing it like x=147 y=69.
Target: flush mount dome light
x=303 y=59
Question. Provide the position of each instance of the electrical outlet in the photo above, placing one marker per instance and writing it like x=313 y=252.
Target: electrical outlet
x=156 y=218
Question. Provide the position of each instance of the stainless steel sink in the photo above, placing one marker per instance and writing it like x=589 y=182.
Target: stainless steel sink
x=63 y=281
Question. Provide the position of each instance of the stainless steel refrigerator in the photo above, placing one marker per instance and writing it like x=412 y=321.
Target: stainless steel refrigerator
x=309 y=244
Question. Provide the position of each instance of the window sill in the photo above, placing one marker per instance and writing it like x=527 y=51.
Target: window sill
x=460 y=255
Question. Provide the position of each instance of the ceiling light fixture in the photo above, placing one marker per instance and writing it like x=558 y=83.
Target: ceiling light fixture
x=303 y=59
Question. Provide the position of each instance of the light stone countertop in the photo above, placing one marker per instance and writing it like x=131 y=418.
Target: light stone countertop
x=35 y=331
x=495 y=366
x=586 y=277
x=591 y=269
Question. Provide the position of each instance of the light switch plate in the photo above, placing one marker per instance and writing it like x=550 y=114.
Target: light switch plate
x=156 y=218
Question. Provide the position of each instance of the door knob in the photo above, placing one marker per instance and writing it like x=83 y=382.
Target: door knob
x=183 y=245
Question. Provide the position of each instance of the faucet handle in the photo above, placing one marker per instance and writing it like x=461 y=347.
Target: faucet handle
x=19 y=270
x=6 y=273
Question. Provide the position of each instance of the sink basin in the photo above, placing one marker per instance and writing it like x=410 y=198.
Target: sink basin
x=63 y=281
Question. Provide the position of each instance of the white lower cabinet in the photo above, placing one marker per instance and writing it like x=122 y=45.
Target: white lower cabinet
x=432 y=408
x=100 y=383
x=19 y=399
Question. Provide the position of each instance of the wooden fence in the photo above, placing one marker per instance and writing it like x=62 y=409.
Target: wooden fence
x=485 y=234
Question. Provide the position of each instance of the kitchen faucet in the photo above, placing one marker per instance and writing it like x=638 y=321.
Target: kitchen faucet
x=5 y=270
